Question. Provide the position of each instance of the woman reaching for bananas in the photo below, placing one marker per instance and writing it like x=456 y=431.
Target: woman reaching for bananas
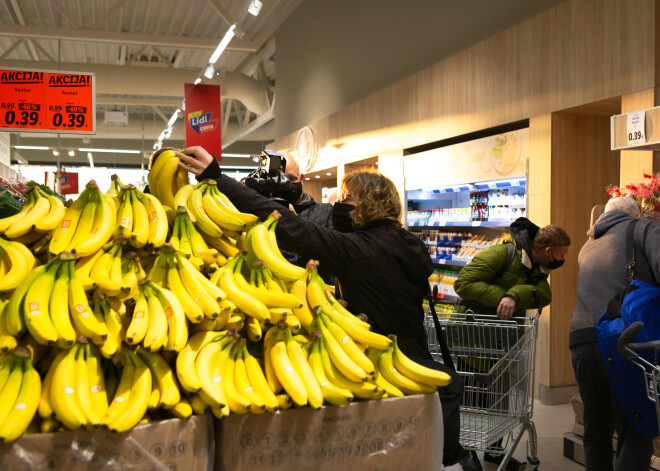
x=383 y=269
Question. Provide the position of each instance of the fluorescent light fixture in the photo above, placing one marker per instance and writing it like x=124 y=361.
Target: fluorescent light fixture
x=197 y=80
x=223 y=44
x=239 y=156
x=157 y=145
x=91 y=161
x=173 y=118
x=329 y=174
x=31 y=147
x=209 y=72
x=255 y=7
x=55 y=153
x=110 y=151
x=307 y=178
x=317 y=176
x=72 y=153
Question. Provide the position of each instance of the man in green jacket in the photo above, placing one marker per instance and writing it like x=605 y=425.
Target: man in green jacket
x=501 y=280
x=504 y=285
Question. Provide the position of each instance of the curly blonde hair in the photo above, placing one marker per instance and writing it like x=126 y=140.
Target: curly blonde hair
x=378 y=197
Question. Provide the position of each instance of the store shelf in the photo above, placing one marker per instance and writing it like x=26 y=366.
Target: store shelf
x=463 y=224
x=442 y=262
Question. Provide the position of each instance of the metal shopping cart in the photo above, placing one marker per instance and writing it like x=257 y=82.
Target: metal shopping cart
x=649 y=369
x=496 y=360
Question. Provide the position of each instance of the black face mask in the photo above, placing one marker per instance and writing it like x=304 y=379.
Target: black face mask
x=341 y=217
x=554 y=265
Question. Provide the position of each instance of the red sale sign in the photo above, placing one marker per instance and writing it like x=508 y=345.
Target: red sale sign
x=69 y=183
x=203 y=123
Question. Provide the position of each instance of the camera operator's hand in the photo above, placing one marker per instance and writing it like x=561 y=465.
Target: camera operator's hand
x=198 y=162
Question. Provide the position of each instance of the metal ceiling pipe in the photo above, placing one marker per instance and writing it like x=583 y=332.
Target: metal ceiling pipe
x=247 y=90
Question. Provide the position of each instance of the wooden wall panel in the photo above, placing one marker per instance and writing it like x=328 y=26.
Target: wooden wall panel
x=635 y=163
x=582 y=166
x=579 y=52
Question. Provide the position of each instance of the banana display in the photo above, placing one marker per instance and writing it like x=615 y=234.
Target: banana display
x=135 y=306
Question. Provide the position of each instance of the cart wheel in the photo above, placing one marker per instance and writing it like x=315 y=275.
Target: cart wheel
x=531 y=465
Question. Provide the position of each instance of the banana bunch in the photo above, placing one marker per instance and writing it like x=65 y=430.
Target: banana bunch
x=41 y=214
x=112 y=312
x=16 y=262
x=191 y=244
x=165 y=392
x=166 y=178
x=227 y=246
x=20 y=386
x=87 y=224
x=8 y=342
x=158 y=321
x=52 y=304
x=74 y=389
x=261 y=244
x=199 y=297
x=132 y=273
x=103 y=269
x=113 y=191
x=218 y=369
x=212 y=211
x=140 y=218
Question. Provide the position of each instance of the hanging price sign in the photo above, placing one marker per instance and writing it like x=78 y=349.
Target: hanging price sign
x=635 y=128
x=47 y=101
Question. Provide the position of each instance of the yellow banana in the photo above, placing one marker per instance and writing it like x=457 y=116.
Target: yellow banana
x=116 y=329
x=177 y=327
x=332 y=393
x=101 y=272
x=272 y=299
x=86 y=221
x=180 y=180
x=285 y=372
x=158 y=272
x=162 y=186
x=356 y=331
x=299 y=290
x=84 y=267
x=63 y=234
x=158 y=224
x=223 y=244
x=59 y=307
x=225 y=369
x=98 y=396
x=196 y=290
x=397 y=378
x=202 y=220
x=54 y=216
x=21 y=261
x=347 y=343
x=304 y=371
x=244 y=301
x=182 y=409
x=30 y=201
x=23 y=409
x=181 y=199
x=84 y=319
x=198 y=404
x=121 y=397
x=26 y=223
x=63 y=393
x=125 y=214
x=139 y=397
x=359 y=389
x=199 y=247
x=340 y=358
x=163 y=375
x=242 y=380
x=219 y=214
x=222 y=200
x=141 y=229
x=45 y=408
x=139 y=325
x=156 y=335
x=253 y=329
x=36 y=307
x=213 y=289
x=185 y=360
x=417 y=372
x=211 y=384
x=193 y=312
x=260 y=244
x=101 y=229
x=82 y=386
x=13 y=316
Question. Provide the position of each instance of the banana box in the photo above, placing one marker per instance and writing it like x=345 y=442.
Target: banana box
x=169 y=445
x=388 y=434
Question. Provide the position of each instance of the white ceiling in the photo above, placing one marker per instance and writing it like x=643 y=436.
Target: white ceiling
x=142 y=52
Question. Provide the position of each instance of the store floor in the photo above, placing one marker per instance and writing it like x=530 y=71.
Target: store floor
x=551 y=424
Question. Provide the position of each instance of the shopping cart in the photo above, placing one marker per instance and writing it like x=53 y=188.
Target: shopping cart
x=650 y=369
x=495 y=358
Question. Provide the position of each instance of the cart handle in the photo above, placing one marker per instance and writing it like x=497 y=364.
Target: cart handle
x=629 y=350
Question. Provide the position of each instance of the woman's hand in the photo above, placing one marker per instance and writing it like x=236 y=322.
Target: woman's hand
x=194 y=159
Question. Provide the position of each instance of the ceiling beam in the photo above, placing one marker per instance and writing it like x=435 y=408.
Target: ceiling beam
x=65 y=13
x=112 y=37
x=21 y=20
x=113 y=9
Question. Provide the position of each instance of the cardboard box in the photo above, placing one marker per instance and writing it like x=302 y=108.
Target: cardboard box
x=169 y=445
x=390 y=434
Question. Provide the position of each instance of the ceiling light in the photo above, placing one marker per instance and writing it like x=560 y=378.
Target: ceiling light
x=255 y=7
x=55 y=153
x=317 y=176
x=329 y=174
x=91 y=161
x=209 y=72
x=72 y=153
x=173 y=118
x=111 y=151
x=31 y=147
x=197 y=80
x=20 y=160
x=239 y=156
x=157 y=145
x=223 y=44
x=306 y=178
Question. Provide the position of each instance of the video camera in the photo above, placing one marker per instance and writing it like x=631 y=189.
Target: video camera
x=270 y=180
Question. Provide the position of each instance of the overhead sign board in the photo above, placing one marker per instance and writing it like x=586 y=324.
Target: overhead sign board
x=47 y=101
x=203 y=124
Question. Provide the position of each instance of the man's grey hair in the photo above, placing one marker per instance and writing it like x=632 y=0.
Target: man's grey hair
x=625 y=204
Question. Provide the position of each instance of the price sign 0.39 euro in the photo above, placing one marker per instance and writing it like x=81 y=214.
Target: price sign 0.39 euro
x=47 y=101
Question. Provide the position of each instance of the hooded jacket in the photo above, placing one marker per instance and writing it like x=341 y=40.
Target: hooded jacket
x=487 y=279
x=602 y=267
x=383 y=269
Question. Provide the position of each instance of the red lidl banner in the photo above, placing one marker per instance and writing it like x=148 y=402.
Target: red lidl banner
x=47 y=101
x=203 y=123
x=68 y=183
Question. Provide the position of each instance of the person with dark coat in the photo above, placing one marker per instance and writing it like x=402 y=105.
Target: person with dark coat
x=496 y=283
x=382 y=267
x=602 y=274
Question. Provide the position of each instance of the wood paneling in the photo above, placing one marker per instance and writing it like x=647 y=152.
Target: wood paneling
x=582 y=166
x=635 y=163
x=581 y=51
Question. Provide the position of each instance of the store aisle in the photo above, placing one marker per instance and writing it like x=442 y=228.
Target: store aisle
x=551 y=424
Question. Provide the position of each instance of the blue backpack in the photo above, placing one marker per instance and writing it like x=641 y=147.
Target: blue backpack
x=640 y=301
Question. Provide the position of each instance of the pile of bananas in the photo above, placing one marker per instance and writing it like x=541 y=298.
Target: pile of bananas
x=20 y=386
x=131 y=312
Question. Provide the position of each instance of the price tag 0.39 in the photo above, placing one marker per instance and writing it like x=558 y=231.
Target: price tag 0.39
x=635 y=129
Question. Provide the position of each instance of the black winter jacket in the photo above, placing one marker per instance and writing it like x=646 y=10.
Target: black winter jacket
x=383 y=269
